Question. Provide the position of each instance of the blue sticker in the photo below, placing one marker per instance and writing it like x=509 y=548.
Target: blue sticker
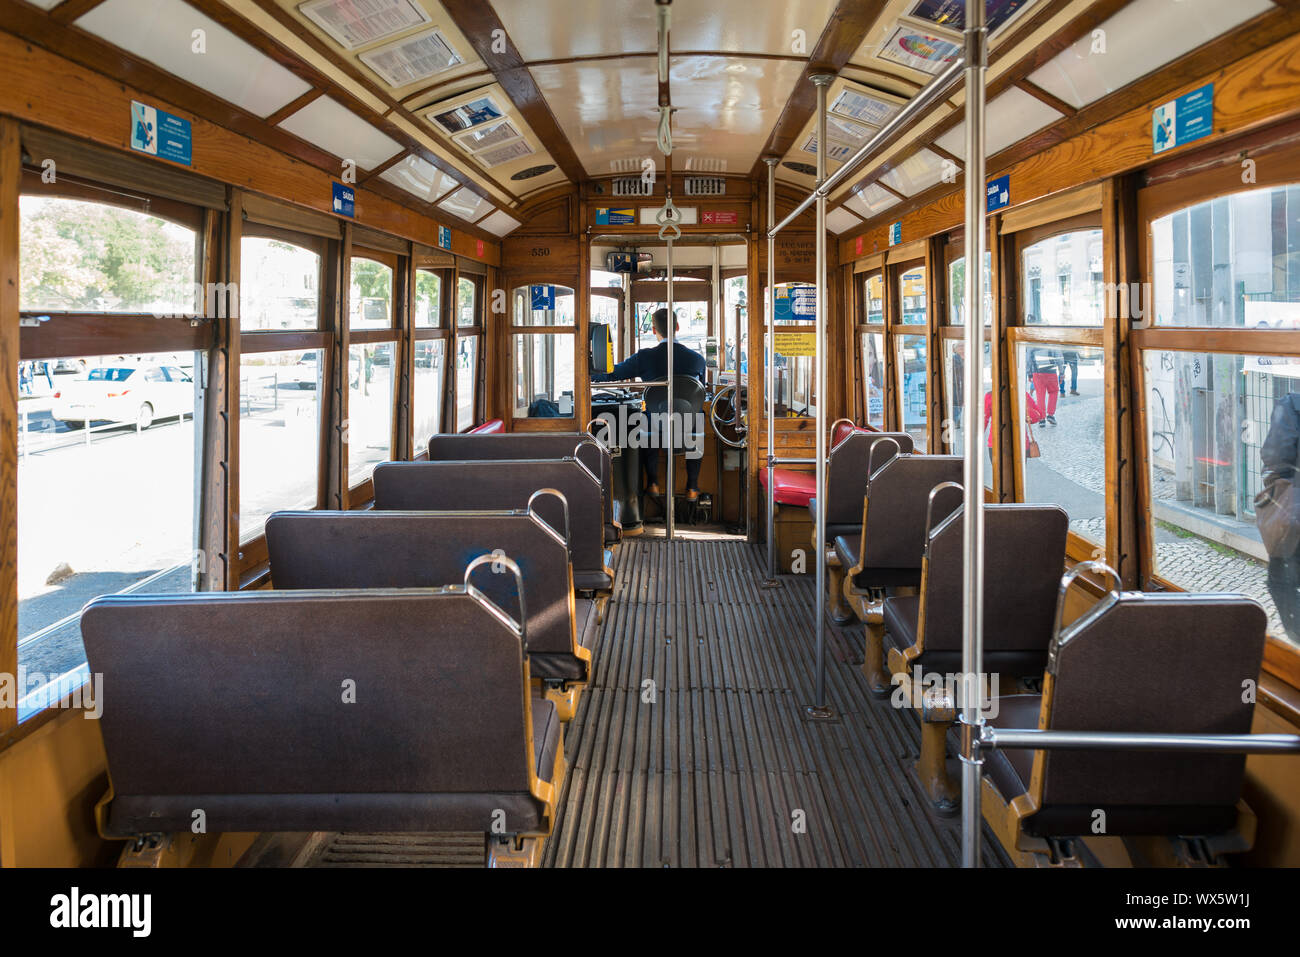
x=444 y=237
x=1183 y=120
x=794 y=303
x=615 y=217
x=160 y=134
x=543 y=298
x=895 y=233
x=998 y=193
x=345 y=200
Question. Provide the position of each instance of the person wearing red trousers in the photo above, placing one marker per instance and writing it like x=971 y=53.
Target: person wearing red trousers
x=1043 y=370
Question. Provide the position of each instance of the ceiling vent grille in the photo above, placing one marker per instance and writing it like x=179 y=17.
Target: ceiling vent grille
x=631 y=186
x=706 y=186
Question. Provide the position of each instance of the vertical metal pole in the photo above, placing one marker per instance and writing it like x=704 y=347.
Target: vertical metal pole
x=973 y=474
x=672 y=410
x=819 y=707
x=769 y=369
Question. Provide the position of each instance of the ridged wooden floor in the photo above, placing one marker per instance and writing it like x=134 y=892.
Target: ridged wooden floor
x=689 y=747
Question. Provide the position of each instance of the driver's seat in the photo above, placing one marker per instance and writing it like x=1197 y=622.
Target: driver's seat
x=688 y=405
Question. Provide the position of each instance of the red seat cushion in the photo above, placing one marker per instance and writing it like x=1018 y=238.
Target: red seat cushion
x=844 y=428
x=792 y=488
x=490 y=427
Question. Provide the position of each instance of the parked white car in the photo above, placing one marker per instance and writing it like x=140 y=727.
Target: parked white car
x=134 y=394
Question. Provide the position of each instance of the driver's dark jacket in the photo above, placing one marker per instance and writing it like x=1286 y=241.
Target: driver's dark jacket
x=651 y=365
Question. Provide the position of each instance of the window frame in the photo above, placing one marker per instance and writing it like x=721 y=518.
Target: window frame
x=396 y=334
x=1173 y=194
x=522 y=280
x=476 y=331
x=862 y=327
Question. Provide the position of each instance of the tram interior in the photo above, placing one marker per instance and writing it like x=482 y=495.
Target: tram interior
x=448 y=433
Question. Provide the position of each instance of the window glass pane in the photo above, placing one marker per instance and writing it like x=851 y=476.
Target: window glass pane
x=911 y=291
x=371 y=300
x=954 y=377
x=875 y=299
x=543 y=304
x=466 y=303
x=795 y=303
x=466 y=382
x=1232 y=261
x=873 y=377
x=957 y=290
x=428 y=298
x=911 y=386
x=1070 y=431
x=737 y=290
x=1221 y=430
x=77 y=256
x=430 y=365
x=279 y=285
x=106 y=496
x=370 y=408
x=1062 y=280
x=543 y=375
x=279 y=434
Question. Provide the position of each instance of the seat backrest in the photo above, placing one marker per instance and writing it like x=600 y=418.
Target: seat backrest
x=897 y=494
x=373 y=549
x=688 y=396
x=846 y=471
x=503 y=484
x=529 y=445
x=1024 y=553
x=237 y=703
x=1174 y=663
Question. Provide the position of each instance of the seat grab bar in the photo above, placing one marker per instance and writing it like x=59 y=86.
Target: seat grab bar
x=929 y=505
x=568 y=530
x=494 y=558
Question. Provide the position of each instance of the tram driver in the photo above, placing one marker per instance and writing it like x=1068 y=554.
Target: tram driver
x=651 y=365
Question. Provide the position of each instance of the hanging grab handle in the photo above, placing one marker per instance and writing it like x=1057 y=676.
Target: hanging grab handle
x=519 y=627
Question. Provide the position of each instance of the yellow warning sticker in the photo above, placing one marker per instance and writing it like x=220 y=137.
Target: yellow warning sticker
x=796 y=343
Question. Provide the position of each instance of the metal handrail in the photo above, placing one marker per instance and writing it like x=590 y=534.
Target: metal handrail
x=1034 y=739
x=568 y=533
x=937 y=89
x=929 y=505
x=520 y=626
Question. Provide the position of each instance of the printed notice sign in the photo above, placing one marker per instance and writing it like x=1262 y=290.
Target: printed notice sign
x=543 y=298
x=795 y=303
x=795 y=343
x=895 y=233
x=711 y=217
x=1183 y=120
x=998 y=193
x=345 y=200
x=160 y=134
x=615 y=217
x=444 y=237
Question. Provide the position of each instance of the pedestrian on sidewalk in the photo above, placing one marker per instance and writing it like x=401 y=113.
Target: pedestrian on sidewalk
x=1277 y=511
x=1046 y=379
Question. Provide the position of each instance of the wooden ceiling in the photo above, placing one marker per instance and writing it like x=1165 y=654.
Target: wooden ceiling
x=465 y=108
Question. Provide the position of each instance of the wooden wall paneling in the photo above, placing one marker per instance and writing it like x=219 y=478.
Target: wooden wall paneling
x=1126 y=249
x=935 y=281
x=335 y=447
x=10 y=179
x=1008 y=399
x=230 y=332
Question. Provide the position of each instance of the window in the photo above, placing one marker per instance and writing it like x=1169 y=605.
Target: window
x=279 y=434
x=430 y=385
x=1062 y=280
x=370 y=303
x=737 y=323
x=911 y=386
x=279 y=286
x=543 y=361
x=369 y=428
x=954 y=400
x=428 y=299
x=431 y=335
x=106 y=496
x=873 y=376
x=794 y=307
x=911 y=292
x=1229 y=262
x=79 y=256
x=957 y=290
x=469 y=328
x=1220 y=425
x=466 y=378
x=1062 y=407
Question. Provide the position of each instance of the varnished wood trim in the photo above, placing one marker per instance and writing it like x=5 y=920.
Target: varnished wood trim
x=294 y=105
x=10 y=180
x=70 y=10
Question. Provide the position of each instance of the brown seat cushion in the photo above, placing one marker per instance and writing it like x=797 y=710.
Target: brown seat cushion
x=846 y=550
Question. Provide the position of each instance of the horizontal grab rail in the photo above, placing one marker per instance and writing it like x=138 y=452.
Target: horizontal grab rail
x=1025 y=738
x=936 y=90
